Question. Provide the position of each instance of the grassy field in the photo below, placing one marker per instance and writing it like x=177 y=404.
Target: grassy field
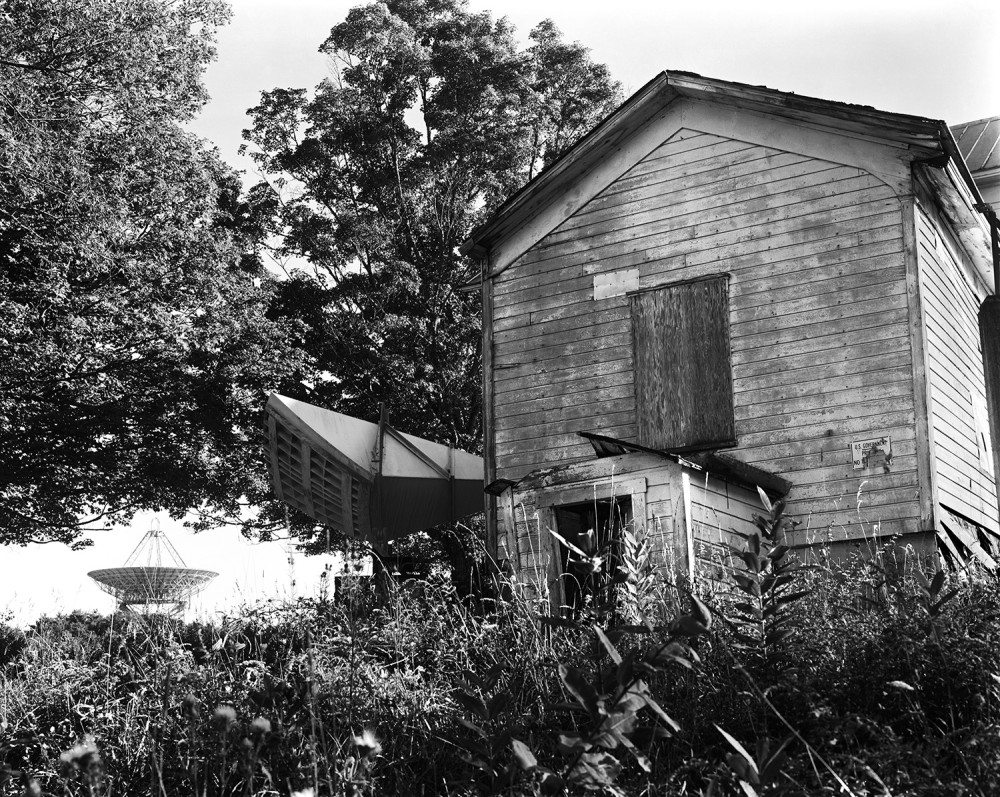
x=866 y=678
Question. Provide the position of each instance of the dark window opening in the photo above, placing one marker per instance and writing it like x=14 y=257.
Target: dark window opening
x=683 y=376
x=590 y=560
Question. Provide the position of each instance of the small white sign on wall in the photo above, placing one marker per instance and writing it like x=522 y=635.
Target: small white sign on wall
x=876 y=452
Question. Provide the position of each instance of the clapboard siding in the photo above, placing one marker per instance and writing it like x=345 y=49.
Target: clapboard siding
x=721 y=514
x=955 y=373
x=721 y=519
x=818 y=313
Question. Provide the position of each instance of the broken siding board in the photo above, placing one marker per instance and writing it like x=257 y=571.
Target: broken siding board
x=520 y=464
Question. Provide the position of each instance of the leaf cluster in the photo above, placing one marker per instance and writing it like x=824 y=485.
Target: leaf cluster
x=136 y=347
x=431 y=118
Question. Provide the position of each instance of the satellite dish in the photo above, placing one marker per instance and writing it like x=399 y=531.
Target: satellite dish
x=154 y=575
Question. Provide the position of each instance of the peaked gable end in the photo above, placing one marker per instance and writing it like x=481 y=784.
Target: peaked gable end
x=668 y=105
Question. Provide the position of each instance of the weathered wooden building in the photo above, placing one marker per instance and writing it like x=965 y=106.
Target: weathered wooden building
x=726 y=286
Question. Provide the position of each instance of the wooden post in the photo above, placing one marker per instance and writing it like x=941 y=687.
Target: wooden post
x=489 y=444
x=689 y=553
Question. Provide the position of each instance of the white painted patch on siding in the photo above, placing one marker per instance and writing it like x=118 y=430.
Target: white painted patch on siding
x=616 y=283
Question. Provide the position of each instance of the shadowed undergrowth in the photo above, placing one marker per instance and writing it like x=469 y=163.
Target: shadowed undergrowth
x=868 y=678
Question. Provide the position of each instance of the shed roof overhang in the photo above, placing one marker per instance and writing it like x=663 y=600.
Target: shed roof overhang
x=923 y=139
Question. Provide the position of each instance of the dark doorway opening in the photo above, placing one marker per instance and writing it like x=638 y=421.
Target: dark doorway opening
x=591 y=554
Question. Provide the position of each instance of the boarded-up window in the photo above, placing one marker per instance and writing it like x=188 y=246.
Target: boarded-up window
x=683 y=379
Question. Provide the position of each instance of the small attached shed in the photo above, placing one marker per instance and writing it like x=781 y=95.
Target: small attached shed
x=740 y=288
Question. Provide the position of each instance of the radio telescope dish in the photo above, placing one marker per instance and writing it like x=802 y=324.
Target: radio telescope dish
x=154 y=575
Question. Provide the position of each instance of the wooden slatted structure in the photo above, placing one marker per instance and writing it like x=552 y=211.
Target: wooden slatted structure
x=843 y=347
x=367 y=481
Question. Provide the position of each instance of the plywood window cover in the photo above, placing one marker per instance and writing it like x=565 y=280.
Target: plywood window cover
x=721 y=427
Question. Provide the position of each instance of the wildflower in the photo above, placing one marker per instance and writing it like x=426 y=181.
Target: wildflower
x=260 y=726
x=303 y=793
x=191 y=706
x=224 y=716
x=32 y=789
x=82 y=755
x=367 y=744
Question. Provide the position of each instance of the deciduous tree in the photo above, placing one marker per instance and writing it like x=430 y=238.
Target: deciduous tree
x=135 y=350
x=432 y=116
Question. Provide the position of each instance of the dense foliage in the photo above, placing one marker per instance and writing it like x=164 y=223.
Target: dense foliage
x=884 y=682
x=432 y=117
x=135 y=349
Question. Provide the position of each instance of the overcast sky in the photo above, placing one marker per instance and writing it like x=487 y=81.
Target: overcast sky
x=924 y=57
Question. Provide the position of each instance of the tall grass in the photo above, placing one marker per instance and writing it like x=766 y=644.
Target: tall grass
x=869 y=677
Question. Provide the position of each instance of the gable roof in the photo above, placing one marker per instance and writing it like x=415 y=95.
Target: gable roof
x=979 y=143
x=928 y=140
